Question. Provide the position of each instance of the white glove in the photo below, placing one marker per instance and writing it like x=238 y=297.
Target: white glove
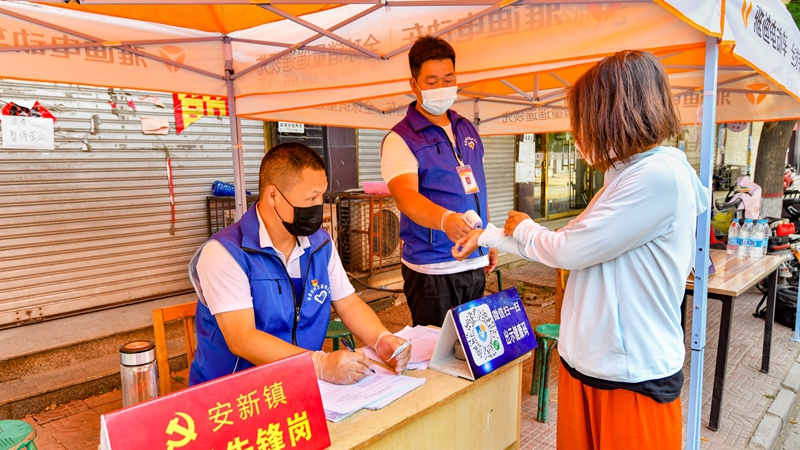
x=386 y=344
x=341 y=366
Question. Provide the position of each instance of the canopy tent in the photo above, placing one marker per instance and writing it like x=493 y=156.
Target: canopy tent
x=518 y=104
x=336 y=54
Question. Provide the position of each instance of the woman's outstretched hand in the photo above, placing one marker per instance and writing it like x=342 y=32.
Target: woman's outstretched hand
x=466 y=245
x=514 y=218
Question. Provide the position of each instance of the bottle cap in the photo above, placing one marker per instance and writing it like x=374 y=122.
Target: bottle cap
x=137 y=353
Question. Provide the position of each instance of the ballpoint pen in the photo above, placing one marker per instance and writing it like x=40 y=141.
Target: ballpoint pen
x=350 y=347
x=400 y=349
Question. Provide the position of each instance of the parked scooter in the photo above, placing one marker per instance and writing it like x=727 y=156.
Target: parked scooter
x=788 y=177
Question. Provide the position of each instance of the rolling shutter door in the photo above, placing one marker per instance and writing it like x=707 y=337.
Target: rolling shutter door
x=87 y=225
x=369 y=154
x=498 y=163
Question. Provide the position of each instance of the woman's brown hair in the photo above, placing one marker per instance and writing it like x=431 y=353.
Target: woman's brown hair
x=621 y=107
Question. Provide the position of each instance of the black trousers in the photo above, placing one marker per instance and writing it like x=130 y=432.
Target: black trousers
x=431 y=296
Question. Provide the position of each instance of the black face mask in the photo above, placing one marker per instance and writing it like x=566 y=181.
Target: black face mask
x=307 y=220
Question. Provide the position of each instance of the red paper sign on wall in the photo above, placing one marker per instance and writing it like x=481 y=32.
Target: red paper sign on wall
x=274 y=406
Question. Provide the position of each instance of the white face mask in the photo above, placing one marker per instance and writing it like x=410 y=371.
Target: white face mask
x=438 y=101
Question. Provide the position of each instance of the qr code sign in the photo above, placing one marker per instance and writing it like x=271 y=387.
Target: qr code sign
x=483 y=339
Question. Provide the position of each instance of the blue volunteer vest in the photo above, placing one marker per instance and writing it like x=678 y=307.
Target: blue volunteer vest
x=273 y=298
x=439 y=181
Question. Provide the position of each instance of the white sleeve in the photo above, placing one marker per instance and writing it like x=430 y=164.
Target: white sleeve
x=340 y=285
x=496 y=238
x=637 y=210
x=225 y=285
x=396 y=158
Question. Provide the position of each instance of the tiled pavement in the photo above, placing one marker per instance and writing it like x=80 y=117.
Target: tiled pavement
x=75 y=426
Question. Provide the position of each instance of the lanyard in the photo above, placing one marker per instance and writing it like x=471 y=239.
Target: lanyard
x=453 y=146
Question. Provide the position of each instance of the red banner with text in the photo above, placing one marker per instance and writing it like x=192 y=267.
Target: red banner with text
x=274 y=406
x=189 y=108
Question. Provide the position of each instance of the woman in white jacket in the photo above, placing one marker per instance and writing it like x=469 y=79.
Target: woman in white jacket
x=629 y=253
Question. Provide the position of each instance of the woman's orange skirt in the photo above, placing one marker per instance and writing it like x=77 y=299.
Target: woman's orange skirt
x=596 y=419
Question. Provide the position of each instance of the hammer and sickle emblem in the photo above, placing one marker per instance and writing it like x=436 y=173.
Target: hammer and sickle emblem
x=187 y=433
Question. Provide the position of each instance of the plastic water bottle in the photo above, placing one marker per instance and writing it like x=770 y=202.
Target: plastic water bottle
x=757 y=237
x=746 y=239
x=767 y=232
x=734 y=238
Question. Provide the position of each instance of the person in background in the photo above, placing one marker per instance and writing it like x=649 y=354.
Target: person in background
x=432 y=162
x=266 y=284
x=629 y=253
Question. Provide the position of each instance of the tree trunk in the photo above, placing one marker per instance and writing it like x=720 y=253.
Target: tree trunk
x=770 y=164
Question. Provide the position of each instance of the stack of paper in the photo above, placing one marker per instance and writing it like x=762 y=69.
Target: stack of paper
x=372 y=392
x=423 y=340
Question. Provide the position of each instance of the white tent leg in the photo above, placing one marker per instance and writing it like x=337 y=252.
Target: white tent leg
x=236 y=134
x=700 y=297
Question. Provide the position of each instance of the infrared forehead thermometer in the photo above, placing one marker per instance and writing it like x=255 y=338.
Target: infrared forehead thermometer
x=473 y=220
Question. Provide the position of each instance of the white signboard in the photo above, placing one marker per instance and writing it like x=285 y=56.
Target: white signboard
x=527 y=151
x=33 y=133
x=526 y=172
x=289 y=127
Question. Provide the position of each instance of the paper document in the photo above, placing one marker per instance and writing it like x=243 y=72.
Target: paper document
x=424 y=339
x=372 y=392
x=423 y=342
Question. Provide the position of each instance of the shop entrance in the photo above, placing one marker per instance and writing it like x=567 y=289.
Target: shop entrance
x=563 y=183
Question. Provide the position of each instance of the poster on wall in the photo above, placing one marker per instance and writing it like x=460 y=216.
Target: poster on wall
x=30 y=133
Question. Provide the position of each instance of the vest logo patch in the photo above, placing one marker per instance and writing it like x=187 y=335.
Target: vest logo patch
x=319 y=292
x=470 y=142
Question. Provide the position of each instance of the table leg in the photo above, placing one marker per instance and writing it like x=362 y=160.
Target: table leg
x=769 y=320
x=722 y=362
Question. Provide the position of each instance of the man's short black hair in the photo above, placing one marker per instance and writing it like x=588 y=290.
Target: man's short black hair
x=429 y=48
x=284 y=163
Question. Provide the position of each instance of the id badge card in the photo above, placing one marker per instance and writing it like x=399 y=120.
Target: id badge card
x=468 y=180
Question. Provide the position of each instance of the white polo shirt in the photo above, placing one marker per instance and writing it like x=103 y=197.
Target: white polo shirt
x=227 y=288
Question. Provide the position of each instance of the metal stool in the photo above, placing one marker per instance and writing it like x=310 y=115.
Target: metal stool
x=546 y=340
x=16 y=435
x=337 y=330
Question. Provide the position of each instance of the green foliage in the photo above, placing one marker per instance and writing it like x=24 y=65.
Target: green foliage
x=794 y=8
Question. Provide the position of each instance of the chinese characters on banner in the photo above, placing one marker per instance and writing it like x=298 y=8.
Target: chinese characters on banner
x=189 y=108
x=274 y=406
x=37 y=110
x=31 y=133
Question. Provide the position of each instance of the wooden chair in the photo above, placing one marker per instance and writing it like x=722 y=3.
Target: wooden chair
x=186 y=312
x=561 y=285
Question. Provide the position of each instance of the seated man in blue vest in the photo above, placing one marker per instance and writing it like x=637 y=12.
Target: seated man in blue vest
x=266 y=284
x=432 y=161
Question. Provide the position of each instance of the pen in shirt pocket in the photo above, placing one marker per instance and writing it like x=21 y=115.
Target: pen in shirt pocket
x=347 y=345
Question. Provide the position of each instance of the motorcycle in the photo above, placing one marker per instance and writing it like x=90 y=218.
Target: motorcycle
x=785 y=243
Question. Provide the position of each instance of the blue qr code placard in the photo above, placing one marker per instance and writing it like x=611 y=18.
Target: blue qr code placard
x=482 y=335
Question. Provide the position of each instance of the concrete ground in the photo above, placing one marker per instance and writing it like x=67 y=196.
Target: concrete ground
x=749 y=394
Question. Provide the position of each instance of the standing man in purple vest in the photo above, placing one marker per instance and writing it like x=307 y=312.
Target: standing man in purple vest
x=432 y=162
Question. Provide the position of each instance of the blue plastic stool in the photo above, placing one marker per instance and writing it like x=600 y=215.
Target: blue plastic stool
x=16 y=435
x=546 y=340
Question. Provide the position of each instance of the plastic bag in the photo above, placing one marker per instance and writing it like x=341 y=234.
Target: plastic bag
x=722 y=220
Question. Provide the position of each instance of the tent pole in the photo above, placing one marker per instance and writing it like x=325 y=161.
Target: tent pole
x=700 y=297
x=236 y=133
